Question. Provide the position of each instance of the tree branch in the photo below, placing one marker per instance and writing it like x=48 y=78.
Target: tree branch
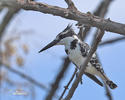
x=107 y=42
x=55 y=85
x=104 y=24
x=66 y=87
x=108 y=93
x=101 y=11
x=30 y=79
x=11 y=12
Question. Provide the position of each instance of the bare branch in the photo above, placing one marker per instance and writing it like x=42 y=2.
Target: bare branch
x=107 y=42
x=108 y=93
x=7 y=19
x=30 y=79
x=69 y=14
x=83 y=32
x=55 y=85
x=66 y=87
x=101 y=11
x=93 y=49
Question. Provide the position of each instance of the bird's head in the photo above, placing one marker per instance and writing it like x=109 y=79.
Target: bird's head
x=61 y=38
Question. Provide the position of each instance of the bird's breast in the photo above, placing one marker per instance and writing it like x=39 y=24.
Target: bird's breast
x=76 y=57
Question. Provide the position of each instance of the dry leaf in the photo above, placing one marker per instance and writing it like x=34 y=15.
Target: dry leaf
x=19 y=61
x=25 y=48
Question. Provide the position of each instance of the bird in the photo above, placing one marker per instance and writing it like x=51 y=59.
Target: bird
x=77 y=51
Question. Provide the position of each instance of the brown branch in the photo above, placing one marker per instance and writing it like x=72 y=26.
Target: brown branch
x=92 y=50
x=71 y=5
x=66 y=87
x=30 y=79
x=69 y=14
x=108 y=93
x=107 y=90
x=107 y=42
x=7 y=19
x=1 y=9
x=55 y=85
x=83 y=32
x=101 y=11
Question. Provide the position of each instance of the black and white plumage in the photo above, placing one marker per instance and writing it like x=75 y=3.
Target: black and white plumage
x=77 y=51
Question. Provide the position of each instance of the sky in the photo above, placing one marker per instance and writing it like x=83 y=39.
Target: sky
x=45 y=66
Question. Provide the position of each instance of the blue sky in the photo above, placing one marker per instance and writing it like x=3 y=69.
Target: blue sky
x=45 y=66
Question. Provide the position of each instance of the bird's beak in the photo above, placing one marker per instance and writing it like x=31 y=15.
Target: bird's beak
x=54 y=42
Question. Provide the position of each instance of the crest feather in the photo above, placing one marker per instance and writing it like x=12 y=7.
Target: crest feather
x=69 y=27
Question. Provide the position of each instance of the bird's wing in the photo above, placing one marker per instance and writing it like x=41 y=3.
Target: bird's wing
x=84 y=48
x=95 y=63
x=94 y=78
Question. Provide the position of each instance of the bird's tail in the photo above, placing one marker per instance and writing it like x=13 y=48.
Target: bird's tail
x=111 y=84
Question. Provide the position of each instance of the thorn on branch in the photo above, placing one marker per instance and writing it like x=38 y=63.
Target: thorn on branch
x=66 y=87
x=71 y=5
x=109 y=19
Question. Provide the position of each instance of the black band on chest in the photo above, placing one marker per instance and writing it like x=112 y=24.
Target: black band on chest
x=73 y=44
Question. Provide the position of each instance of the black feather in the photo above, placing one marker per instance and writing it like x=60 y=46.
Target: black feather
x=94 y=78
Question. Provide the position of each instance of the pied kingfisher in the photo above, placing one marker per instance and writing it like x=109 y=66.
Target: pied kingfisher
x=77 y=50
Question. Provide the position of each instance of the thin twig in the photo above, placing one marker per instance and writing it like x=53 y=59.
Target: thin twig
x=108 y=92
x=59 y=77
x=102 y=9
x=110 y=41
x=11 y=12
x=30 y=79
x=92 y=50
x=66 y=87
x=83 y=32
